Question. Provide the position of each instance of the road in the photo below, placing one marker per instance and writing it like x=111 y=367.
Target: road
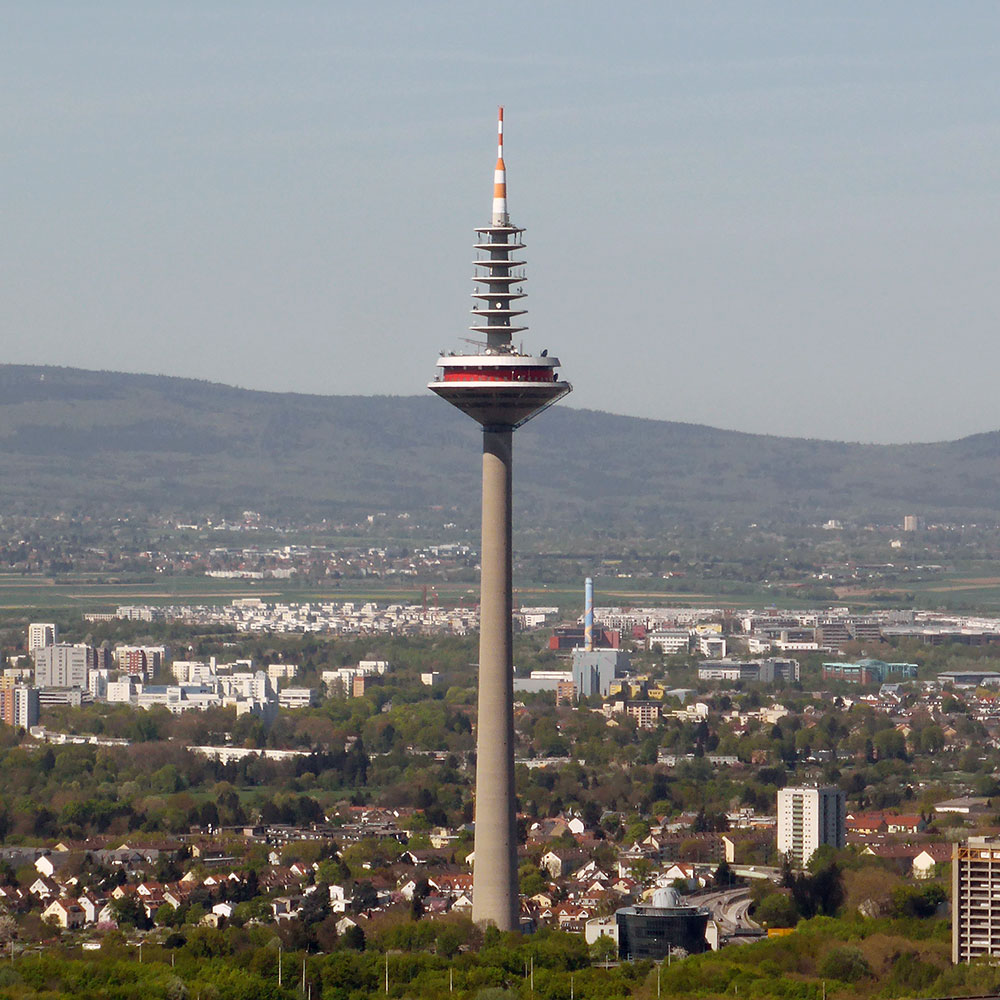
x=730 y=909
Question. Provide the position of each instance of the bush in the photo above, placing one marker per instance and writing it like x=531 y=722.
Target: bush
x=910 y=901
x=777 y=910
x=846 y=964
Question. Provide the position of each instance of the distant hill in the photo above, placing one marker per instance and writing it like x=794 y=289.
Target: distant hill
x=81 y=441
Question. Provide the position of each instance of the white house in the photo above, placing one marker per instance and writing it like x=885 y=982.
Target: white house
x=64 y=912
x=338 y=899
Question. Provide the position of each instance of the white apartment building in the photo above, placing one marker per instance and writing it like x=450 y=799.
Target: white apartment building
x=97 y=684
x=278 y=672
x=669 y=641
x=122 y=691
x=807 y=818
x=254 y=686
x=975 y=911
x=42 y=634
x=712 y=645
x=297 y=698
x=192 y=671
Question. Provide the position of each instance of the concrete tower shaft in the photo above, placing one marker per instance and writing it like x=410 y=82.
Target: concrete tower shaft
x=501 y=388
x=494 y=875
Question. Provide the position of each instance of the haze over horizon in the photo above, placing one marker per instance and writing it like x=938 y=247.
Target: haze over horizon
x=777 y=220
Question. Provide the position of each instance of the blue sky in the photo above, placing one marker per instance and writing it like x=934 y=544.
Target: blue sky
x=773 y=217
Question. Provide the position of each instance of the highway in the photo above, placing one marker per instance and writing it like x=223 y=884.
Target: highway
x=730 y=909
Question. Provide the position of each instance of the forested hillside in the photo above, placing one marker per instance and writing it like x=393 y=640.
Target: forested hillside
x=81 y=441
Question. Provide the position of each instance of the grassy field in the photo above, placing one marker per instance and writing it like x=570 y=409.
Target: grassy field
x=970 y=591
x=18 y=592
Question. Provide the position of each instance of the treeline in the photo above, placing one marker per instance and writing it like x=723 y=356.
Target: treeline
x=825 y=957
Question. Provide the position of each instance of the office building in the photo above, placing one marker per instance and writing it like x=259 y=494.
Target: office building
x=668 y=925
x=868 y=671
x=595 y=669
x=750 y=671
x=807 y=818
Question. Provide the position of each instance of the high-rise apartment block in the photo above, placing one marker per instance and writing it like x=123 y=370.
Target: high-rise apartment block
x=975 y=899
x=808 y=818
x=18 y=705
x=42 y=634
x=63 y=666
x=139 y=660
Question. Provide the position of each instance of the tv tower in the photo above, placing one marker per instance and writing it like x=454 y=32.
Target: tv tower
x=502 y=388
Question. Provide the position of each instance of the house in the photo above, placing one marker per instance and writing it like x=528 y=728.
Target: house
x=679 y=871
x=453 y=885
x=905 y=824
x=151 y=904
x=875 y=824
x=572 y=917
x=542 y=900
x=279 y=878
x=462 y=903
x=925 y=864
x=905 y=857
x=591 y=870
x=598 y=926
x=285 y=907
x=594 y=897
x=49 y=864
x=176 y=896
x=91 y=906
x=44 y=888
x=624 y=886
x=14 y=897
x=866 y=824
x=408 y=888
x=65 y=913
x=555 y=864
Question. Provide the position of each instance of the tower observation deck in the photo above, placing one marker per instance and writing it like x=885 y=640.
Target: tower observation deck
x=500 y=387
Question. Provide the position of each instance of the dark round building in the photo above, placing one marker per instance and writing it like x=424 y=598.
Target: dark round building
x=666 y=925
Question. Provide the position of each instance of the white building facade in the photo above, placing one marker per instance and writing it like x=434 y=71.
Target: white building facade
x=808 y=818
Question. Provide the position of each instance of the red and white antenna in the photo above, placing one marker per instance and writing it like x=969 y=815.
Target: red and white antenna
x=500 y=216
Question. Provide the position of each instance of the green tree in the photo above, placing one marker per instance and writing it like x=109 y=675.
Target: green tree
x=846 y=964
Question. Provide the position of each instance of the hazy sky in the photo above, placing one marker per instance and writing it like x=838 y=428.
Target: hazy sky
x=773 y=217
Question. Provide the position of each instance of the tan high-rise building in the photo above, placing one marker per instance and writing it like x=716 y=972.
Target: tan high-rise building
x=975 y=899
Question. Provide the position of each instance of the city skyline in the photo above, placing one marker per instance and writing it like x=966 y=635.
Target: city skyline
x=788 y=212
